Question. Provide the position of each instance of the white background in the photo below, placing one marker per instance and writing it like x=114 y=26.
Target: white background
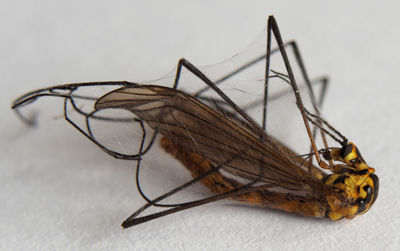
x=60 y=192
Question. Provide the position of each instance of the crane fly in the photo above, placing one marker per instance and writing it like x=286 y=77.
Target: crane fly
x=224 y=148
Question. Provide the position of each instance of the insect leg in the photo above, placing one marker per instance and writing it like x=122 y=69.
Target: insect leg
x=166 y=195
x=53 y=91
x=240 y=68
x=202 y=170
x=91 y=138
x=320 y=123
x=131 y=221
x=184 y=63
x=318 y=103
x=273 y=28
x=66 y=92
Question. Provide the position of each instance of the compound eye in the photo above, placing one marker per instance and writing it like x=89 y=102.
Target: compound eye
x=368 y=189
x=376 y=187
x=363 y=202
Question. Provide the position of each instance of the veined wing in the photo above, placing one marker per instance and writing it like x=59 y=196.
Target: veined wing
x=197 y=128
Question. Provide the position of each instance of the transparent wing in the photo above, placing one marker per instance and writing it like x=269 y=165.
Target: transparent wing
x=195 y=127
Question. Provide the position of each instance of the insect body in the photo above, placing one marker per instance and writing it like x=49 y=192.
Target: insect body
x=198 y=143
x=227 y=151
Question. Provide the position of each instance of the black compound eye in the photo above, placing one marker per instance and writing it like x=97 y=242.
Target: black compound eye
x=361 y=201
x=368 y=189
x=376 y=187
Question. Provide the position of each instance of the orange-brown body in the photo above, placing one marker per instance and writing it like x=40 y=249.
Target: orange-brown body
x=219 y=184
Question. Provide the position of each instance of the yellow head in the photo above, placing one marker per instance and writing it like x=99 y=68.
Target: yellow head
x=353 y=187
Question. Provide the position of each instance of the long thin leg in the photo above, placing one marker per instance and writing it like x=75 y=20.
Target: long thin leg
x=88 y=136
x=273 y=28
x=224 y=187
x=243 y=67
x=241 y=190
x=324 y=82
x=239 y=69
x=292 y=45
x=70 y=97
x=68 y=89
x=212 y=85
x=315 y=103
x=201 y=172
x=320 y=123
x=51 y=91
x=184 y=63
x=219 y=105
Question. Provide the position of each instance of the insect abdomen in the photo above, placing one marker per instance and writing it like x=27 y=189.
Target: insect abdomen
x=219 y=184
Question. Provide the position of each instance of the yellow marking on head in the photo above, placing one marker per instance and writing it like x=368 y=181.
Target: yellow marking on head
x=352 y=194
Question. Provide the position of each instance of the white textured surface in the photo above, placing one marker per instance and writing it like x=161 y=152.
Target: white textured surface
x=59 y=192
